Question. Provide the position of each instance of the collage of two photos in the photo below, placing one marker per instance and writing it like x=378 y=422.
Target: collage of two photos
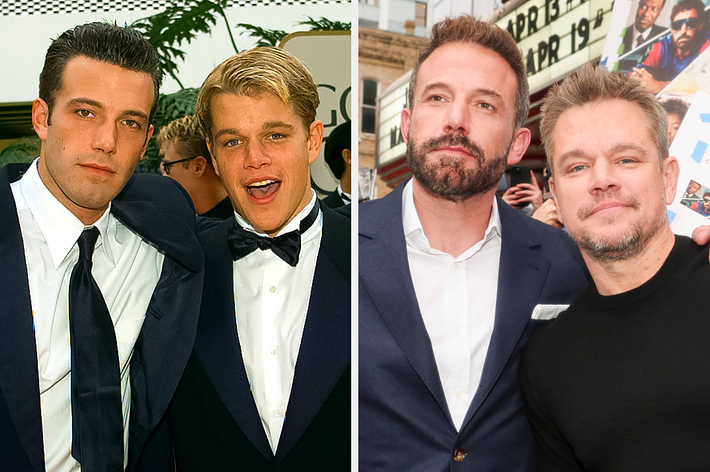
x=395 y=235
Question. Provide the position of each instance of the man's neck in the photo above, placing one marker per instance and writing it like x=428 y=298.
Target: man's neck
x=452 y=227
x=612 y=278
x=209 y=195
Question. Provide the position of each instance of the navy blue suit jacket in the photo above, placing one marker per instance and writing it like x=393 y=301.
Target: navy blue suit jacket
x=163 y=345
x=404 y=421
x=214 y=423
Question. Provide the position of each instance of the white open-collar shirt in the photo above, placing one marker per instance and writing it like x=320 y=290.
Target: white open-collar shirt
x=457 y=300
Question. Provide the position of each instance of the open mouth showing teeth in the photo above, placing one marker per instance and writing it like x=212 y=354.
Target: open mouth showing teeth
x=263 y=189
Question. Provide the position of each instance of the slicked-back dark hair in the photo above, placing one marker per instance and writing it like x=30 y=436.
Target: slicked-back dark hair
x=105 y=42
x=467 y=29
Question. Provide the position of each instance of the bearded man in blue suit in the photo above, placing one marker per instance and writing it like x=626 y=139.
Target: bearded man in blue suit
x=453 y=282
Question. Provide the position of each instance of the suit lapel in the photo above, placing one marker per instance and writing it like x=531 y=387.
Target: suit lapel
x=325 y=345
x=19 y=378
x=217 y=344
x=384 y=273
x=521 y=276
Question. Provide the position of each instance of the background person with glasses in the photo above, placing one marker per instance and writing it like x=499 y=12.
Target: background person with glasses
x=185 y=158
x=673 y=53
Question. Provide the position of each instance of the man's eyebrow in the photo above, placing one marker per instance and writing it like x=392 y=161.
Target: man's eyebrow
x=479 y=91
x=277 y=124
x=615 y=149
x=224 y=131
x=94 y=103
x=623 y=147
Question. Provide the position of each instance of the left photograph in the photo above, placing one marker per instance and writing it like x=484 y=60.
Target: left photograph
x=175 y=236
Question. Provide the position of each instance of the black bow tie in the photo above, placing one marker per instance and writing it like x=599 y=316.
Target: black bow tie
x=287 y=246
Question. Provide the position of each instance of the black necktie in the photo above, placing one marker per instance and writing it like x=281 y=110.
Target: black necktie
x=287 y=246
x=97 y=420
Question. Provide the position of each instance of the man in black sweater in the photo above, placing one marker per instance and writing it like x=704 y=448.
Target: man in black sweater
x=618 y=381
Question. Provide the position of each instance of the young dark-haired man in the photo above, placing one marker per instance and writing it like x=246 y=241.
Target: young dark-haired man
x=95 y=320
x=337 y=156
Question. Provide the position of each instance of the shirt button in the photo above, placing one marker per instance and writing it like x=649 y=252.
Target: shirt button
x=459 y=455
x=459 y=393
x=457 y=328
x=278 y=412
x=272 y=289
x=274 y=350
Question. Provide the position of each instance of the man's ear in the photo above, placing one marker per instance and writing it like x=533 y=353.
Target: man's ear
x=553 y=191
x=346 y=156
x=315 y=141
x=671 y=172
x=521 y=141
x=405 y=118
x=147 y=138
x=214 y=161
x=200 y=164
x=40 y=117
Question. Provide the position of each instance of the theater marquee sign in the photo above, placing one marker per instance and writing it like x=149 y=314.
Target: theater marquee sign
x=557 y=36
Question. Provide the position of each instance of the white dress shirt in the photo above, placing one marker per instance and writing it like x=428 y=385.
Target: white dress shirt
x=637 y=35
x=457 y=300
x=346 y=197
x=271 y=301
x=126 y=269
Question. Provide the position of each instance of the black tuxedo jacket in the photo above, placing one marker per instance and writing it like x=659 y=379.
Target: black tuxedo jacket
x=213 y=419
x=334 y=200
x=163 y=345
x=404 y=420
x=628 y=36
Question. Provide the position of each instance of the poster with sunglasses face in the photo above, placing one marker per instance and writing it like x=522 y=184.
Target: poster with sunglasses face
x=661 y=39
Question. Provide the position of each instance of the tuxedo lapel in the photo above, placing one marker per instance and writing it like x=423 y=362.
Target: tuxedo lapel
x=385 y=275
x=521 y=275
x=168 y=232
x=19 y=378
x=217 y=345
x=325 y=345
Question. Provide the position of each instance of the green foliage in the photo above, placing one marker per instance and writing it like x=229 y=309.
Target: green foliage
x=266 y=37
x=324 y=24
x=167 y=30
x=170 y=107
x=23 y=150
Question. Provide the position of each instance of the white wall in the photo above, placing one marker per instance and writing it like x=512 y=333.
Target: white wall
x=25 y=39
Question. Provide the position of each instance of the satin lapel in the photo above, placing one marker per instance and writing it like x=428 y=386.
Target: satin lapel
x=385 y=275
x=521 y=276
x=217 y=344
x=325 y=345
x=166 y=231
x=19 y=378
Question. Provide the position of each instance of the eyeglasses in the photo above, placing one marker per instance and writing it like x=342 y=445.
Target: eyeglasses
x=690 y=23
x=166 y=165
x=706 y=200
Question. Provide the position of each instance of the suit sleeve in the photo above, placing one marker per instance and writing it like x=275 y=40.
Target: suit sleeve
x=554 y=454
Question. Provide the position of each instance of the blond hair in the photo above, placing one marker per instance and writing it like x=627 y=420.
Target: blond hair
x=187 y=136
x=467 y=29
x=594 y=84
x=258 y=71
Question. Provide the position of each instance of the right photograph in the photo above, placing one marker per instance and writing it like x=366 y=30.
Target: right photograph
x=524 y=237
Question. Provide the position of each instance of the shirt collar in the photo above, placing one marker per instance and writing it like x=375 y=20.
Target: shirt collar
x=60 y=228
x=293 y=224
x=342 y=193
x=414 y=232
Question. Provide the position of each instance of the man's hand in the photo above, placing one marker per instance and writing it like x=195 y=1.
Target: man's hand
x=547 y=213
x=646 y=79
x=522 y=194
